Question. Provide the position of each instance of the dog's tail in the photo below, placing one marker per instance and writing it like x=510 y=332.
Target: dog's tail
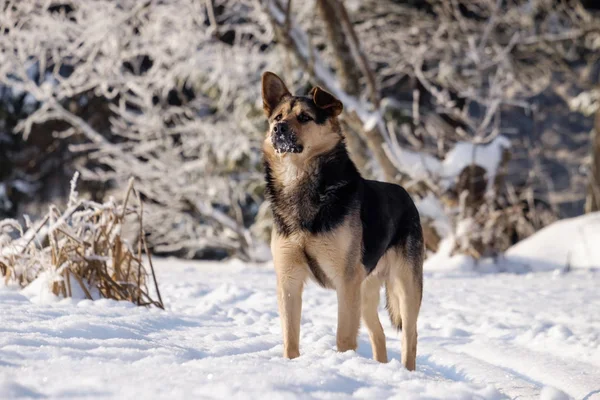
x=406 y=276
x=392 y=305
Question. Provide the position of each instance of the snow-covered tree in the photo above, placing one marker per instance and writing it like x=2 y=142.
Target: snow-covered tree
x=440 y=85
x=178 y=89
x=167 y=92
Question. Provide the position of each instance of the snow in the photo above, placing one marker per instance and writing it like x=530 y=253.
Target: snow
x=464 y=154
x=569 y=242
x=530 y=335
x=481 y=336
x=421 y=166
x=564 y=245
x=418 y=165
x=39 y=291
x=549 y=393
x=430 y=206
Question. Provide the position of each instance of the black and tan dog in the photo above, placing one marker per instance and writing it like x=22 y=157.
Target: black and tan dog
x=347 y=233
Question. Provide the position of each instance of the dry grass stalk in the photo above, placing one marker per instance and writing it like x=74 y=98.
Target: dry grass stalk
x=82 y=247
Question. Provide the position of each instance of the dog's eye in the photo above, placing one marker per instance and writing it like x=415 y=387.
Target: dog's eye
x=278 y=117
x=304 y=117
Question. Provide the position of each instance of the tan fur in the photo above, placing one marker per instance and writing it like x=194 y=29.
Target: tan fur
x=335 y=253
x=292 y=271
x=349 y=299
x=370 y=316
x=404 y=301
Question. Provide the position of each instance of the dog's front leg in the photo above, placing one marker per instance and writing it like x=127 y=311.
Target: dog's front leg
x=348 y=294
x=290 y=282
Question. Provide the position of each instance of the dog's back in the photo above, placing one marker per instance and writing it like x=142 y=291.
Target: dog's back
x=390 y=219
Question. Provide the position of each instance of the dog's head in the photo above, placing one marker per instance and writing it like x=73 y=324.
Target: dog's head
x=305 y=126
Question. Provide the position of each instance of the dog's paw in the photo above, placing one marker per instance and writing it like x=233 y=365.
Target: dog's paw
x=291 y=354
x=346 y=345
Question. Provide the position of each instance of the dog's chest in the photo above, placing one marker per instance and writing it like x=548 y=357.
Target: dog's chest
x=297 y=202
x=290 y=175
x=314 y=198
x=334 y=255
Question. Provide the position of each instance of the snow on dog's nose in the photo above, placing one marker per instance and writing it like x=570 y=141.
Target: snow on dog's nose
x=284 y=139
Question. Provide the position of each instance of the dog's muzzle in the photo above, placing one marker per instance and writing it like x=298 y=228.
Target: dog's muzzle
x=284 y=139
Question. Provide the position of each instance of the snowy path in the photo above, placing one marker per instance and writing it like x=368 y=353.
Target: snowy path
x=481 y=336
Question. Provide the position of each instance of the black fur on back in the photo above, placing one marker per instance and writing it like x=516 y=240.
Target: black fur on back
x=331 y=191
x=389 y=218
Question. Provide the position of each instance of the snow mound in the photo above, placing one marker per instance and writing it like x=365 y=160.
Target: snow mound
x=563 y=245
x=569 y=243
x=12 y=390
x=39 y=291
x=550 y=393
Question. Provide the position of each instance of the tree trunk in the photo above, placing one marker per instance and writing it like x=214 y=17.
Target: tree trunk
x=349 y=73
x=592 y=203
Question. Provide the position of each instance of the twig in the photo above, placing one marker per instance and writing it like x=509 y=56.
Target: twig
x=82 y=285
x=210 y=9
x=129 y=188
x=35 y=233
x=148 y=254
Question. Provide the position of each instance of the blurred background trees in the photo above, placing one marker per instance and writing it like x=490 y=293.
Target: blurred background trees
x=483 y=109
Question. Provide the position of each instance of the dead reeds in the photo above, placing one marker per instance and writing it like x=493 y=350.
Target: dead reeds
x=83 y=249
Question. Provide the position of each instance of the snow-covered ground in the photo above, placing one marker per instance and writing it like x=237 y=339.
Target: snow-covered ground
x=481 y=336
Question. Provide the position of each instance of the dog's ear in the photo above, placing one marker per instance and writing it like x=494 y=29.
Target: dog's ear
x=326 y=101
x=273 y=91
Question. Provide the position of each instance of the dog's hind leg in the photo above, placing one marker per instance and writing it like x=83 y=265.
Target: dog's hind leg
x=369 y=305
x=405 y=287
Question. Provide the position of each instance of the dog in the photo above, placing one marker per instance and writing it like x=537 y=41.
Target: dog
x=331 y=225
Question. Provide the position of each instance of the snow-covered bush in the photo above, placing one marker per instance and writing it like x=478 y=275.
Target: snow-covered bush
x=83 y=249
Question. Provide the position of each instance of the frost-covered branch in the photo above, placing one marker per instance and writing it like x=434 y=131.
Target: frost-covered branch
x=171 y=113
